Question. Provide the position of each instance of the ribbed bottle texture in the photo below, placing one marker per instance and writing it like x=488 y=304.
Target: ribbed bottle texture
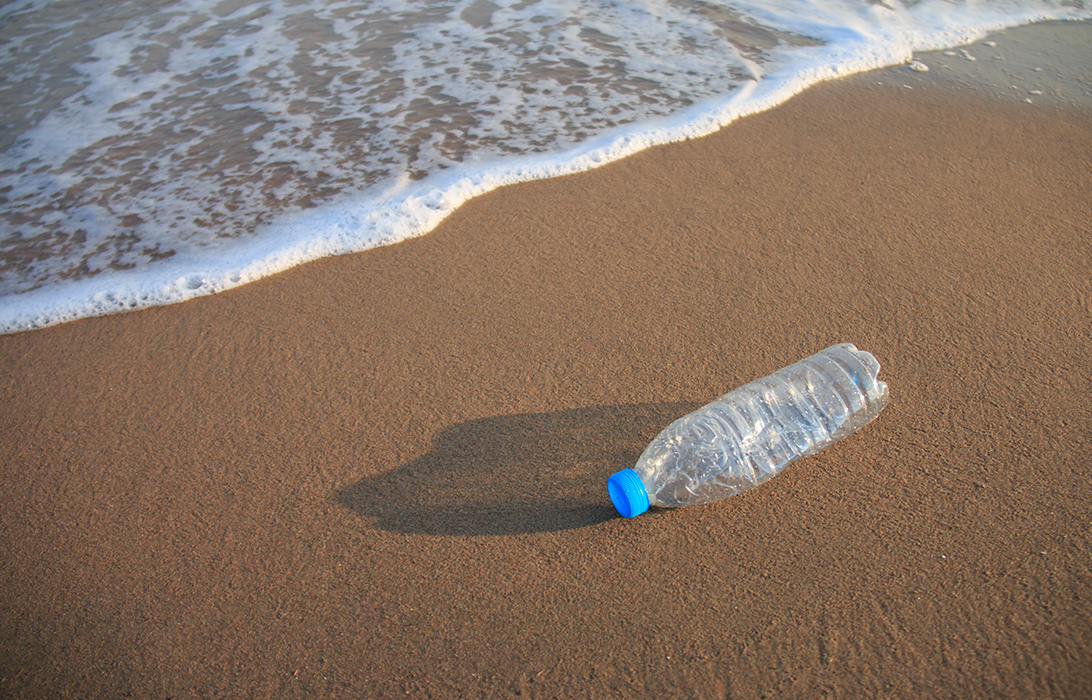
x=748 y=435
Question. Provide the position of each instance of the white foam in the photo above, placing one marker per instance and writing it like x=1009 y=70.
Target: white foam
x=217 y=143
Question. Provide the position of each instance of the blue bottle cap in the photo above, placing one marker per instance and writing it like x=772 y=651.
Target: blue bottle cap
x=627 y=493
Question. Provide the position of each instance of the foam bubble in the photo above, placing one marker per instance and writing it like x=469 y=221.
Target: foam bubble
x=153 y=153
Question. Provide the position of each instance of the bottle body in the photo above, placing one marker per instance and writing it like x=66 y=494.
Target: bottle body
x=750 y=434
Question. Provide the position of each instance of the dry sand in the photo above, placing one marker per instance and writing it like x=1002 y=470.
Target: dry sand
x=384 y=473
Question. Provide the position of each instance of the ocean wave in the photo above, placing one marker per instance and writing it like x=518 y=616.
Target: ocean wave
x=155 y=151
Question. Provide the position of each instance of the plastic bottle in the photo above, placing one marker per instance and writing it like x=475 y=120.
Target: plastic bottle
x=750 y=434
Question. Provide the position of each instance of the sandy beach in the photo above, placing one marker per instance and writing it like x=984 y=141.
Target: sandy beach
x=384 y=474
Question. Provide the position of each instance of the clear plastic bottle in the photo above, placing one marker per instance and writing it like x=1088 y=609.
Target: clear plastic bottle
x=750 y=434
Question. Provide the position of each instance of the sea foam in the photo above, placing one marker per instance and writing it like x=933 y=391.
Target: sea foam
x=154 y=152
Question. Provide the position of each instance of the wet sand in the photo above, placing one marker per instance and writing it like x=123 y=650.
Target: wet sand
x=384 y=474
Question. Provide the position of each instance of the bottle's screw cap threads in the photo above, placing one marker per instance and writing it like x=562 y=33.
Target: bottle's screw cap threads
x=627 y=493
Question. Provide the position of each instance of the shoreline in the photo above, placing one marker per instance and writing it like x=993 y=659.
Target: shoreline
x=1059 y=44
x=384 y=473
x=1044 y=63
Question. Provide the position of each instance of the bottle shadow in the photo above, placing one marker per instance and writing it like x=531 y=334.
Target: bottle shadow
x=509 y=475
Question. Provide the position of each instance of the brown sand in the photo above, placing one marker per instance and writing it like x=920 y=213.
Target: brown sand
x=384 y=473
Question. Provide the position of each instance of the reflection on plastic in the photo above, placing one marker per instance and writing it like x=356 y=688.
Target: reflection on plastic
x=750 y=434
